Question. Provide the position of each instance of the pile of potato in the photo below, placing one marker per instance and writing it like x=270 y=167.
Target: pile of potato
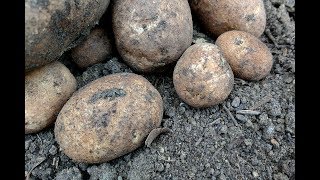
x=114 y=114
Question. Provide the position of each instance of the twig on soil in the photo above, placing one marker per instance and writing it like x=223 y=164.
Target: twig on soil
x=270 y=36
x=231 y=116
x=215 y=121
x=262 y=102
x=34 y=166
x=155 y=133
x=248 y=112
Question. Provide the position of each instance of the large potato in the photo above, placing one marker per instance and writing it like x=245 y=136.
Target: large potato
x=109 y=117
x=202 y=77
x=225 y=15
x=51 y=27
x=151 y=34
x=249 y=58
x=94 y=49
x=46 y=90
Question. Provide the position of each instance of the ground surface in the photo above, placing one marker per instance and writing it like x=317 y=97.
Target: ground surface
x=205 y=144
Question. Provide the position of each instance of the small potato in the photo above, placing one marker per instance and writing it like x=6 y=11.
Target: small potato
x=109 y=117
x=202 y=77
x=249 y=58
x=226 y=15
x=46 y=90
x=53 y=27
x=151 y=34
x=94 y=49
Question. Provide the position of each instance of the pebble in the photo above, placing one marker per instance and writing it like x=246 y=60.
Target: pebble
x=255 y=174
x=236 y=102
x=119 y=177
x=53 y=150
x=280 y=176
x=274 y=142
x=249 y=124
x=223 y=129
x=159 y=167
x=241 y=118
x=247 y=142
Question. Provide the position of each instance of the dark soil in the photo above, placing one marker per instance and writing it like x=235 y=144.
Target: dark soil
x=204 y=143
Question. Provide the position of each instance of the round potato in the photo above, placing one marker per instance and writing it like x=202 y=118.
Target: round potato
x=53 y=27
x=109 y=117
x=220 y=16
x=151 y=34
x=249 y=58
x=46 y=90
x=202 y=77
x=94 y=49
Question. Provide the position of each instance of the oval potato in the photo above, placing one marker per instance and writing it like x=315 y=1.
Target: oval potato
x=109 y=117
x=202 y=77
x=151 y=34
x=225 y=15
x=52 y=27
x=249 y=58
x=46 y=90
x=94 y=49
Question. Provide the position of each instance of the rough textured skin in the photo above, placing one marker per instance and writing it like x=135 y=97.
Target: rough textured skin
x=108 y=118
x=221 y=16
x=151 y=34
x=94 y=49
x=52 y=27
x=46 y=90
x=249 y=58
x=202 y=77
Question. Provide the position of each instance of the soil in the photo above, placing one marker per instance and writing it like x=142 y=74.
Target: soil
x=204 y=143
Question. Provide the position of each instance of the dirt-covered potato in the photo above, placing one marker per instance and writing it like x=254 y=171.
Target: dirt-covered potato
x=151 y=34
x=47 y=88
x=220 y=16
x=202 y=77
x=52 y=27
x=249 y=58
x=94 y=49
x=109 y=117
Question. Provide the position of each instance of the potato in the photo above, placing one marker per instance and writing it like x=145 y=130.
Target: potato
x=202 y=77
x=109 y=117
x=151 y=34
x=53 y=27
x=218 y=17
x=249 y=58
x=46 y=90
x=94 y=49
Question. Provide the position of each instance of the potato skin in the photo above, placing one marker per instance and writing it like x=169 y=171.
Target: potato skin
x=53 y=27
x=249 y=58
x=46 y=90
x=95 y=48
x=202 y=77
x=151 y=34
x=220 y=16
x=108 y=118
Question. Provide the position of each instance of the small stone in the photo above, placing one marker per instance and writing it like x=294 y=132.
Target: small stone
x=27 y=144
x=255 y=174
x=119 y=177
x=249 y=124
x=288 y=80
x=159 y=167
x=247 y=142
x=274 y=142
x=280 y=176
x=236 y=102
x=241 y=118
x=167 y=166
x=223 y=129
x=53 y=150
